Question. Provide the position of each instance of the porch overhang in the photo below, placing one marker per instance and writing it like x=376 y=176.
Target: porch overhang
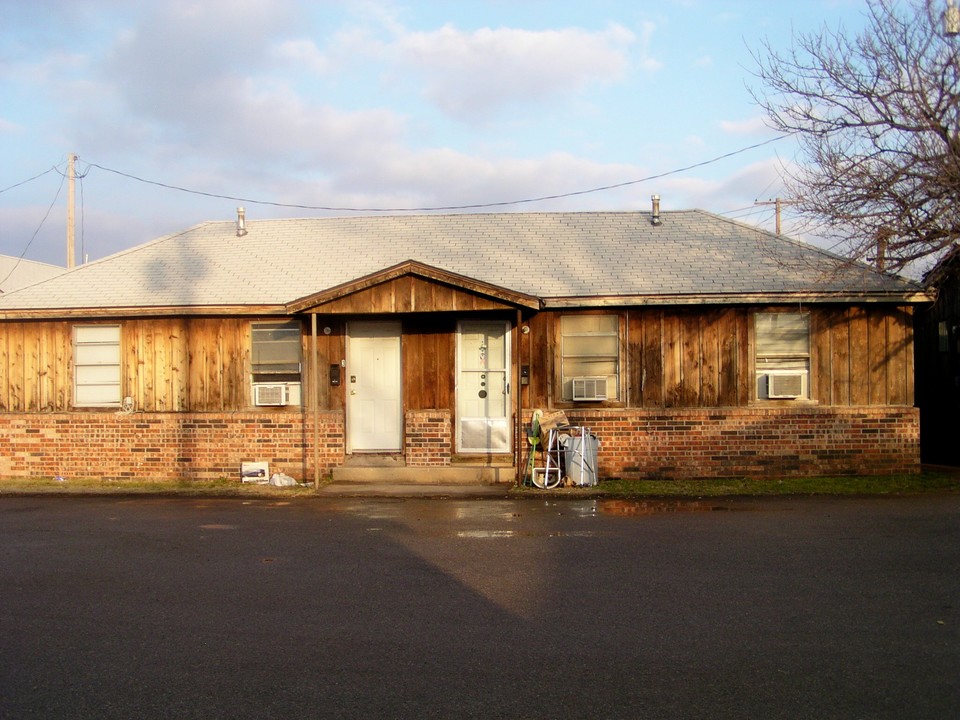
x=412 y=287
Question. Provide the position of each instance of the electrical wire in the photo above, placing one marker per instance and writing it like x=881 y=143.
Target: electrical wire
x=83 y=224
x=39 y=227
x=24 y=182
x=473 y=206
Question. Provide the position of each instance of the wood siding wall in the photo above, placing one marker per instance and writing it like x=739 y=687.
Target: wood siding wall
x=670 y=358
x=701 y=358
x=167 y=364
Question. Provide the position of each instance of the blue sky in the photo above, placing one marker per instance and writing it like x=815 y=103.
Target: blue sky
x=379 y=104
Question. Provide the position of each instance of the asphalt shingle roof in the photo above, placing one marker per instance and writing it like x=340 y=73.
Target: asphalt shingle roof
x=17 y=273
x=547 y=255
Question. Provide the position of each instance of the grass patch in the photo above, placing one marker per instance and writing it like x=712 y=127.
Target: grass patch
x=844 y=485
x=100 y=486
x=926 y=482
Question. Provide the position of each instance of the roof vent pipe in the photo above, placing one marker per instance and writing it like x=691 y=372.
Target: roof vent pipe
x=951 y=20
x=655 y=210
x=241 y=222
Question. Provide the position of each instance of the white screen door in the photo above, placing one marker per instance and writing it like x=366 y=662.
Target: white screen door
x=483 y=387
x=374 y=395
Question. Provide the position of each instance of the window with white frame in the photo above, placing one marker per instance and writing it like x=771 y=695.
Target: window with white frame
x=275 y=350
x=96 y=364
x=590 y=357
x=782 y=355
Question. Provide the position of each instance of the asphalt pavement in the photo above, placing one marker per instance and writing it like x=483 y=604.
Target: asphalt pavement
x=327 y=607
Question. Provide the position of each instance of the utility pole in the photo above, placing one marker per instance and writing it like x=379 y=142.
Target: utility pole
x=776 y=202
x=71 y=202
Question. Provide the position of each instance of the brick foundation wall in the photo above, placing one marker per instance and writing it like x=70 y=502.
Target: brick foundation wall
x=729 y=442
x=154 y=446
x=428 y=439
x=760 y=442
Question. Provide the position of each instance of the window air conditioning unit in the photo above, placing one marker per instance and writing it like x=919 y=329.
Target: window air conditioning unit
x=276 y=394
x=589 y=388
x=786 y=385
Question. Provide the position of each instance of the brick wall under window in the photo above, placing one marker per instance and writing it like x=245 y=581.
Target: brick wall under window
x=754 y=442
x=686 y=443
x=150 y=446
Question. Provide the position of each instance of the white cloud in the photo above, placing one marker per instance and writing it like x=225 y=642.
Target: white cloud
x=734 y=192
x=471 y=74
x=751 y=126
x=648 y=63
x=304 y=55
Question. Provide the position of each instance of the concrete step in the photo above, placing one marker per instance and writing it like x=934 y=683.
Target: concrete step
x=446 y=475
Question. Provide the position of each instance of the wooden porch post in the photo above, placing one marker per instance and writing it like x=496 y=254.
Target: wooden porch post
x=518 y=422
x=315 y=381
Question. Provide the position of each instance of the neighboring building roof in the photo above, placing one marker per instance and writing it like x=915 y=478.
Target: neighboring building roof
x=587 y=258
x=17 y=273
x=947 y=268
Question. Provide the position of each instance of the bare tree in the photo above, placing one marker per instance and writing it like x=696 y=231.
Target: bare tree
x=877 y=116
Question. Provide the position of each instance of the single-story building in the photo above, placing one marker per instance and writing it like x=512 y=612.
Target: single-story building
x=938 y=363
x=690 y=344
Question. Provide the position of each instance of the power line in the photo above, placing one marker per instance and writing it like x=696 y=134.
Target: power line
x=39 y=227
x=474 y=206
x=24 y=182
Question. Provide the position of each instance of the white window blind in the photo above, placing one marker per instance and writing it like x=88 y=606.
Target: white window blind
x=590 y=347
x=782 y=354
x=96 y=362
x=275 y=349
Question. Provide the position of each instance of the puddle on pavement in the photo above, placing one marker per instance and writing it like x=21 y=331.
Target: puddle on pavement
x=658 y=507
x=485 y=534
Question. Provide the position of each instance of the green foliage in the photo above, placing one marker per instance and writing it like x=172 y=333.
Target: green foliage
x=844 y=485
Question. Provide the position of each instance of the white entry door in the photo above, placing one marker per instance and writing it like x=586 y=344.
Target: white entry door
x=483 y=387
x=374 y=394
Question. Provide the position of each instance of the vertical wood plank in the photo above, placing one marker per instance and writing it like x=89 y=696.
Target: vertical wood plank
x=710 y=363
x=338 y=350
x=746 y=352
x=18 y=370
x=180 y=355
x=691 y=365
x=196 y=353
x=859 y=357
x=5 y=331
x=31 y=376
x=237 y=380
x=64 y=381
x=411 y=370
x=897 y=322
x=653 y=354
x=822 y=352
x=634 y=353
x=877 y=356
x=46 y=371
x=148 y=365
x=215 y=372
x=909 y=355
x=840 y=360
x=728 y=358
x=315 y=396
x=672 y=360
